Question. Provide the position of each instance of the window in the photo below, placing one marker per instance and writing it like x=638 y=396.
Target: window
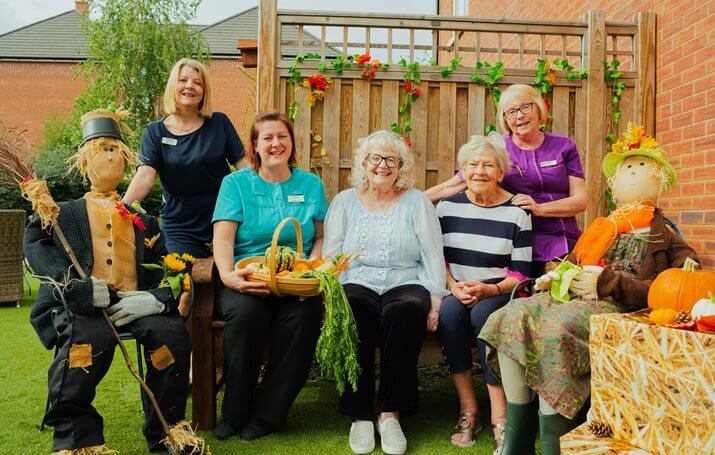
x=461 y=7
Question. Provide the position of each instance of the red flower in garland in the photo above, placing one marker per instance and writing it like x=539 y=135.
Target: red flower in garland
x=408 y=142
x=124 y=213
x=417 y=91
x=318 y=82
x=408 y=86
x=368 y=74
x=363 y=59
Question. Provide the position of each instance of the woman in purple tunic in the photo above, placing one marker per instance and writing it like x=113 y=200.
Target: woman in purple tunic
x=546 y=175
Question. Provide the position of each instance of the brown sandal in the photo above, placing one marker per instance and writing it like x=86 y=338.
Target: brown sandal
x=466 y=428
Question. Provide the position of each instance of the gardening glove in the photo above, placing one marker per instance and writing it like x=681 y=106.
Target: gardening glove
x=100 y=293
x=132 y=306
x=543 y=283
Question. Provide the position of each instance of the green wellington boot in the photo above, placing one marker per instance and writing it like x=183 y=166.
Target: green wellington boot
x=551 y=428
x=521 y=426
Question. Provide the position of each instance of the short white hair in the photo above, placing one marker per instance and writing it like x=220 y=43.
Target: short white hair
x=387 y=141
x=477 y=144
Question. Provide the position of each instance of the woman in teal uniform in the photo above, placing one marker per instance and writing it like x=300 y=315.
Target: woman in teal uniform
x=250 y=205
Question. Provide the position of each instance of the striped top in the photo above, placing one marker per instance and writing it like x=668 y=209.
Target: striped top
x=484 y=243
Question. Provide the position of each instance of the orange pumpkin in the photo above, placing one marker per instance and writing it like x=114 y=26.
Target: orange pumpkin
x=679 y=289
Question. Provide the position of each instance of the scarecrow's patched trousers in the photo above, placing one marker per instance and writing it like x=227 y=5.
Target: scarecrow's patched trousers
x=86 y=349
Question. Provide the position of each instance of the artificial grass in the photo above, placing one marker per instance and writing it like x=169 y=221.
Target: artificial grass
x=314 y=425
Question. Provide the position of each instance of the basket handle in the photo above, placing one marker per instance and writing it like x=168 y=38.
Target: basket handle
x=273 y=284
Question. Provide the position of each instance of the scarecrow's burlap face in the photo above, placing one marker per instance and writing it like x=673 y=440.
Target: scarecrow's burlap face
x=103 y=163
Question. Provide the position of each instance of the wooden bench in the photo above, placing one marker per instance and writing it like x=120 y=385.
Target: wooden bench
x=207 y=345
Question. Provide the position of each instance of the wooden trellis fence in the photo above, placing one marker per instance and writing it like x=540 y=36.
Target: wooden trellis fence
x=450 y=109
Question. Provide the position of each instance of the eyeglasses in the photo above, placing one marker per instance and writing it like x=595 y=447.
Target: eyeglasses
x=524 y=109
x=390 y=161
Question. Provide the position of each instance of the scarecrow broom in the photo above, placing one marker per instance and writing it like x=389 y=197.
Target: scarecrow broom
x=16 y=170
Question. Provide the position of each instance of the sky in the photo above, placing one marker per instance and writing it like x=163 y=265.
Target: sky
x=18 y=13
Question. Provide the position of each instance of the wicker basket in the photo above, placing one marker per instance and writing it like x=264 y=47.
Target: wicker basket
x=12 y=226
x=282 y=285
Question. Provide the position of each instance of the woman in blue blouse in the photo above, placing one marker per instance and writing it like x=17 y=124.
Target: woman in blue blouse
x=394 y=287
x=250 y=205
x=190 y=150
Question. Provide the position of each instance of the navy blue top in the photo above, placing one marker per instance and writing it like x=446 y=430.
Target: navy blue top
x=191 y=168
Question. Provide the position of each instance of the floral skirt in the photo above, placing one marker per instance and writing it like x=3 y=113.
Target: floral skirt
x=550 y=339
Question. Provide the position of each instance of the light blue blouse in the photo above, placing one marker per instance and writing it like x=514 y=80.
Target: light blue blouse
x=402 y=245
x=258 y=206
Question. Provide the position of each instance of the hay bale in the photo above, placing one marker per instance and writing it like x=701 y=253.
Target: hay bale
x=580 y=441
x=654 y=386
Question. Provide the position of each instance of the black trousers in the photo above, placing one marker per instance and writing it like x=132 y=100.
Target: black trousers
x=291 y=328
x=76 y=422
x=394 y=322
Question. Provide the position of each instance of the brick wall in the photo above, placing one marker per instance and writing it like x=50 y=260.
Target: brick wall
x=685 y=95
x=234 y=90
x=32 y=91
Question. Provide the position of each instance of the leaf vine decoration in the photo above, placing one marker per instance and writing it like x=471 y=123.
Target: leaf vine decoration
x=409 y=92
x=546 y=79
x=295 y=80
x=612 y=75
x=489 y=81
x=453 y=64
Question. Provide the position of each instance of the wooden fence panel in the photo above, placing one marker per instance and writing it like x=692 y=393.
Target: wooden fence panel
x=452 y=109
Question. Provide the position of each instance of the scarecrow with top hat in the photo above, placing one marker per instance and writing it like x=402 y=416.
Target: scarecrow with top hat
x=94 y=247
x=541 y=342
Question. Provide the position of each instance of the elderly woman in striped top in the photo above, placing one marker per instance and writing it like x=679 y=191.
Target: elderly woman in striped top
x=487 y=247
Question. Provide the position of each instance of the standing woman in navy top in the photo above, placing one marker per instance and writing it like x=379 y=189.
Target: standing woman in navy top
x=191 y=150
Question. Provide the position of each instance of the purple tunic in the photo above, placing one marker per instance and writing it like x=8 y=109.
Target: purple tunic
x=543 y=174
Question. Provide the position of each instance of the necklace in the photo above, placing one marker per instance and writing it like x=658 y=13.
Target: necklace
x=191 y=126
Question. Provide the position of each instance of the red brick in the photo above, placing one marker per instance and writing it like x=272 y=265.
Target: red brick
x=704 y=232
x=690 y=218
x=683 y=119
x=692 y=189
x=668 y=136
x=710 y=218
x=670 y=82
x=683 y=91
x=692 y=160
x=705 y=143
x=702 y=114
x=704 y=84
x=704 y=54
x=699 y=42
x=707 y=261
x=704 y=172
x=684 y=148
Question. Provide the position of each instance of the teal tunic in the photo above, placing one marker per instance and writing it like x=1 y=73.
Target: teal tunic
x=258 y=206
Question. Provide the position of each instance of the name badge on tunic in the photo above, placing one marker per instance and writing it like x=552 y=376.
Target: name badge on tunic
x=168 y=140
x=296 y=198
x=548 y=163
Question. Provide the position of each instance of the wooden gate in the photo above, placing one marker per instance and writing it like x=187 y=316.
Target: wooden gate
x=454 y=107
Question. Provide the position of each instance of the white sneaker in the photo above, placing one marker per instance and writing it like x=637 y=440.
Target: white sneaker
x=362 y=436
x=392 y=439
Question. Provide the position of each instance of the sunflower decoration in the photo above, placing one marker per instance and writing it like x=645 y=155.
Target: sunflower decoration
x=177 y=272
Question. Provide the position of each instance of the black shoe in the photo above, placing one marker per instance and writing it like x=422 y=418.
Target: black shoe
x=224 y=430
x=256 y=429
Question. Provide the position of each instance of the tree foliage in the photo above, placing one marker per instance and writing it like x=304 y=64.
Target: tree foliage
x=132 y=45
